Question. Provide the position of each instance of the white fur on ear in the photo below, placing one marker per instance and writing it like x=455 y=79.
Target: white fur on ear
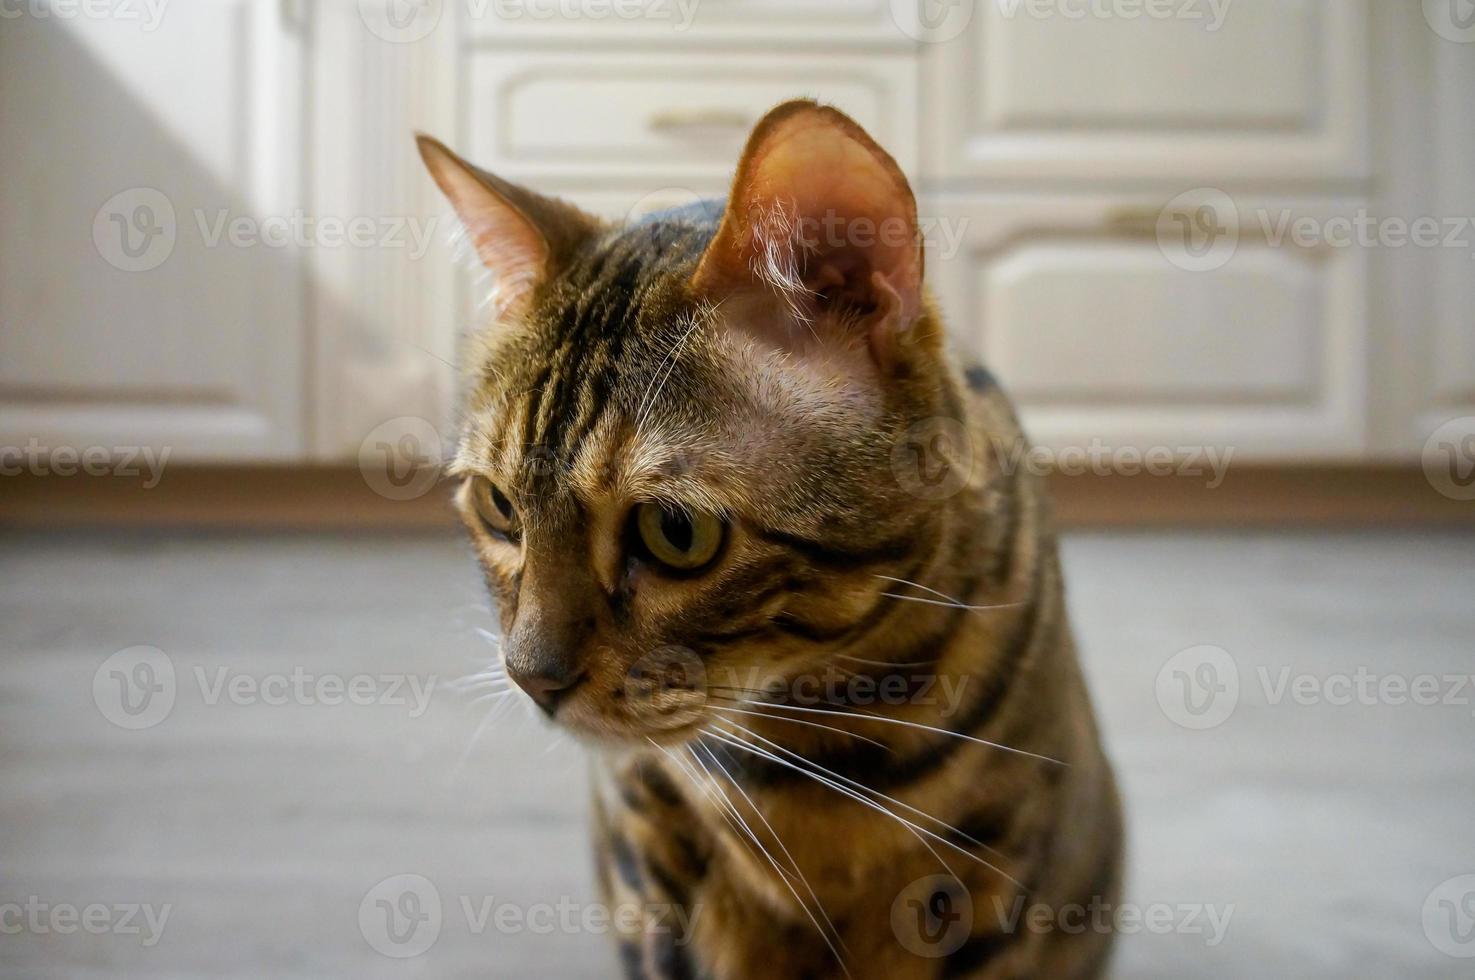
x=821 y=217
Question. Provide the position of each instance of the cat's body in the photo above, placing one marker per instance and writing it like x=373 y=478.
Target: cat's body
x=751 y=529
x=1006 y=675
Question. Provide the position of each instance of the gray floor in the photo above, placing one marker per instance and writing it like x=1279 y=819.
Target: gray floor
x=1322 y=830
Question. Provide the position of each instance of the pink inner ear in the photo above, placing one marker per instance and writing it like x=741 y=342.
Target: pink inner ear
x=824 y=211
x=506 y=242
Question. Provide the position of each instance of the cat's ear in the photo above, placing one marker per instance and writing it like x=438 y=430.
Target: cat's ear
x=522 y=237
x=822 y=217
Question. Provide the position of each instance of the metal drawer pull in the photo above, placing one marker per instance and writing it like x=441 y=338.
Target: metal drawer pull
x=674 y=120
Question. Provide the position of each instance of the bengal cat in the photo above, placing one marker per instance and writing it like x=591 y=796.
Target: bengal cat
x=756 y=537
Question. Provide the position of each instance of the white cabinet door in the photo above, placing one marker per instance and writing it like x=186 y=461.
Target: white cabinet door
x=1105 y=326
x=1203 y=90
x=144 y=298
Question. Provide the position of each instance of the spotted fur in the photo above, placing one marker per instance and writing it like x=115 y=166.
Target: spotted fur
x=772 y=816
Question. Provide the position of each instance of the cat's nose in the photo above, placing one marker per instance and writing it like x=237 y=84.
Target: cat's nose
x=543 y=655
x=548 y=687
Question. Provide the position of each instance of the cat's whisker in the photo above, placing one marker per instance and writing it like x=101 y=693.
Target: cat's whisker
x=861 y=715
x=949 y=604
x=707 y=791
x=886 y=663
x=904 y=823
x=732 y=739
x=826 y=930
x=800 y=721
x=777 y=839
x=857 y=784
x=663 y=373
x=481 y=727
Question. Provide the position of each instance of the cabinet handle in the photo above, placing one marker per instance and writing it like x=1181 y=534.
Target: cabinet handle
x=1135 y=220
x=675 y=120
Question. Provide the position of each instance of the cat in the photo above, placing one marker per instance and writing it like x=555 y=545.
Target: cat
x=754 y=534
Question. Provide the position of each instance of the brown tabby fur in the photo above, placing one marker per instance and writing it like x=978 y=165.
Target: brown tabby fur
x=619 y=379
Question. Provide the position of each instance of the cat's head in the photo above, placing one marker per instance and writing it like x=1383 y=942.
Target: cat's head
x=678 y=447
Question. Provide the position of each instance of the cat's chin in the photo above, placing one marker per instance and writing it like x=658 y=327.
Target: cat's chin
x=613 y=732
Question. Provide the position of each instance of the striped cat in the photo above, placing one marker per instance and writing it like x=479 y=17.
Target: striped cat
x=756 y=537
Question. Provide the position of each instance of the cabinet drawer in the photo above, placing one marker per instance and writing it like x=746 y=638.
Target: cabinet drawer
x=634 y=117
x=1199 y=90
x=683 y=21
x=1104 y=327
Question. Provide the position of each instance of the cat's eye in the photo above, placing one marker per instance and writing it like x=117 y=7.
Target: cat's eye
x=677 y=539
x=493 y=507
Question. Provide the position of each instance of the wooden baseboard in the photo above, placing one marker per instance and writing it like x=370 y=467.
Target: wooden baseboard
x=259 y=498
